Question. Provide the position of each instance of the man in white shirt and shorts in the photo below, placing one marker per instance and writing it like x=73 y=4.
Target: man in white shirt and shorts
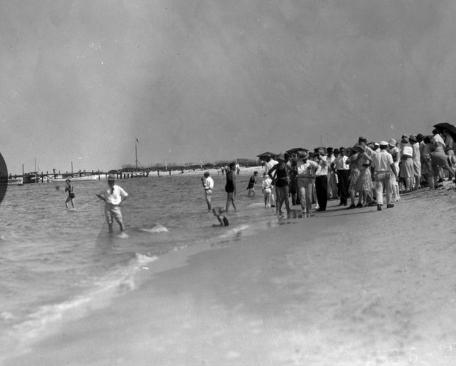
x=113 y=198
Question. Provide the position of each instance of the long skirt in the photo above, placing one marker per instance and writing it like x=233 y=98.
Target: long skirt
x=364 y=183
x=354 y=176
x=407 y=169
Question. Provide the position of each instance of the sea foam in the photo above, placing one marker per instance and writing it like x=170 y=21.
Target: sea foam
x=49 y=318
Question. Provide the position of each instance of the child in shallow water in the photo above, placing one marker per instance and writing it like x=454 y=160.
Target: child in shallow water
x=218 y=213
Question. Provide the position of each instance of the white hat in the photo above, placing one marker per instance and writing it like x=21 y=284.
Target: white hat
x=383 y=143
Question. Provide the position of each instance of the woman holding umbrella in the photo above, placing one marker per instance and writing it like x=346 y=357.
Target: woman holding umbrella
x=438 y=157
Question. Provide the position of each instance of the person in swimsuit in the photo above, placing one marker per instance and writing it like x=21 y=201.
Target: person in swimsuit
x=222 y=219
x=279 y=175
x=71 y=195
x=251 y=185
x=230 y=187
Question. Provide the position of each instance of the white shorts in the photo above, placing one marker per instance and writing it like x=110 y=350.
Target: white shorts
x=113 y=213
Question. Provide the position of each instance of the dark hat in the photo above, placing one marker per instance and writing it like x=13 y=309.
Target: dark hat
x=362 y=139
x=281 y=156
x=329 y=150
x=419 y=136
x=358 y=148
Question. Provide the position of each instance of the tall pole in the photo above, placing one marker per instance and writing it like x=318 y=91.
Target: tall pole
x=136 y=154
x=71 y=168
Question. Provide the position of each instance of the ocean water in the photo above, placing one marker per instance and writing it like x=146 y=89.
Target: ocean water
x=57 y=265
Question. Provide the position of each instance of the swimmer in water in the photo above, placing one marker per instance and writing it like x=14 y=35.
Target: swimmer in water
x=218 y=213
x=71 y=195
x=114 y=196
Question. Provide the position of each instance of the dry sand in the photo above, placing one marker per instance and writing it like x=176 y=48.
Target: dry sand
x=346 y=287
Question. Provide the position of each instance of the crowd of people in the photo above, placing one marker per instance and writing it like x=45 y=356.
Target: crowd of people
x=365 y=174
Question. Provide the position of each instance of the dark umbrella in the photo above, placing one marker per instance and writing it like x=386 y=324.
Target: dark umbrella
x=295 y=150
x=265 y=154
x=448 y=127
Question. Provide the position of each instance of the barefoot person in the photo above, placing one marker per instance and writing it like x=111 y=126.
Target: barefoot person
x=230 y=186
x=71 y=195
x=113 y=197
x=251 y=185
x=208 y=185
x=222 y=219
x=384 y=168
x=266 y=187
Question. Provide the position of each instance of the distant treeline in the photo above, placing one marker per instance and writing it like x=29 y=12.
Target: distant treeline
x=192 y=166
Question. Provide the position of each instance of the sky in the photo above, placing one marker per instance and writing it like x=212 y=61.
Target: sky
x=205 y=80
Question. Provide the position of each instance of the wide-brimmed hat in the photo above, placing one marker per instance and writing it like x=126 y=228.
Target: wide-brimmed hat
x=303 y=155
x=358 y=148
x=392 y=142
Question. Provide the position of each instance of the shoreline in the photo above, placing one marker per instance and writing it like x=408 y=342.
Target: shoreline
x=333 y=289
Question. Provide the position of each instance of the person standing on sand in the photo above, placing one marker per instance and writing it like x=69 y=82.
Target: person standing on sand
x=306 y=169
x=113 y=197
x=332 y=177
x=269 y=163
x=416 y=161
x=71 y=195
x=407 y=171
x=321 y=181
x=343 y=173
x=354 y=173
x=230 y=186
x=208 y=185
x=279 y=175
x=439 y=159
x=396 y=154
x=266 y=187
x=426 y=163
x=383 y=167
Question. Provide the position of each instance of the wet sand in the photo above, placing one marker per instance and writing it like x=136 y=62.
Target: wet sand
x=346 y=287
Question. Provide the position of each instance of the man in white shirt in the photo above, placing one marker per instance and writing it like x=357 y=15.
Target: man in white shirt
x=306 y=169
x=384 y=167
x=268 y=164
x=113 y=197
x=208 y=185
x=343 y=173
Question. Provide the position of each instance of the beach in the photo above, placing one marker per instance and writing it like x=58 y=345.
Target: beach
x=346 y=287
